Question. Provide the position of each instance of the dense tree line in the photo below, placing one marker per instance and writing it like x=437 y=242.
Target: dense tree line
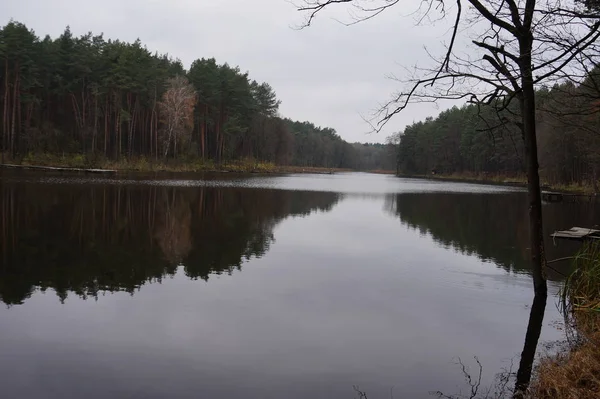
x=112 y=99
x=374 y=156
x=476 y=139
x=324 y=147
x=458 y=141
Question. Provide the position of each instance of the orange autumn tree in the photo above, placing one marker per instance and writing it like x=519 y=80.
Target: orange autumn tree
x=177 y=114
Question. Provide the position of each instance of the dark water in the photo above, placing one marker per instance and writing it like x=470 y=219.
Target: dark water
x=251 y=287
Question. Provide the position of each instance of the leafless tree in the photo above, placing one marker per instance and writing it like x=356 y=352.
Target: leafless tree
x=516 y=47
x=177 y=113
x=520 y=45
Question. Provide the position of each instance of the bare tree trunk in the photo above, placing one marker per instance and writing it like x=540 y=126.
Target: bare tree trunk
x=217 y=133
x=106 y=113
x=5 y=114
x=527 y=103
x=132 y=121
x=156 y=134
x=117 y=133
x=95 y=133
x=153 y=132
x=203 y=131
x=78 y=122
x=28 y=117
x=83 y=101
x=168 y=143
x=19 y=132
x=129 y=126
x=150 y=138
x=83 y=124
x=14 y=113
x=143 y=121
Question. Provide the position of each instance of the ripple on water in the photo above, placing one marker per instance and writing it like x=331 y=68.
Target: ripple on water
x=350 y=183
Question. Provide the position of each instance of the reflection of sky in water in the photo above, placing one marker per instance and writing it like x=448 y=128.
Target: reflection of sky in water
x=346 y=297
x=339 y=182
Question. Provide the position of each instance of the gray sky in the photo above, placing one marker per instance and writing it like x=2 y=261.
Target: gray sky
x=328 y=74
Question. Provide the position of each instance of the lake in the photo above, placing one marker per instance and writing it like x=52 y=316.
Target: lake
x=298 y=286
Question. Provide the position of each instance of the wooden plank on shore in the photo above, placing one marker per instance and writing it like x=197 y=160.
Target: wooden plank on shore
x=578 y=233
x=59 y=169
x=550 y=196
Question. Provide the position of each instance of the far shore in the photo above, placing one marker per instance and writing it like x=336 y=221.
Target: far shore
x=503 y=180
x=82 y=164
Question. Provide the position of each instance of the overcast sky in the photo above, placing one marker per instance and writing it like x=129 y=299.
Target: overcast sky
x=329 y=74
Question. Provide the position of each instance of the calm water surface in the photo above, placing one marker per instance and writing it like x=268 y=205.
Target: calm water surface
x=295 y=286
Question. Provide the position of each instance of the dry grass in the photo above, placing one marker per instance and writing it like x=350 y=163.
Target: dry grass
x=185 y=164
x=582 y=289
x=143 y=164
x=516 y=180
x=310 y=169
x=576 y=372
x=574 y=188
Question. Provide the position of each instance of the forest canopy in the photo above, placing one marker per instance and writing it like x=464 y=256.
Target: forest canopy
x=477 y=139
x=112 y=99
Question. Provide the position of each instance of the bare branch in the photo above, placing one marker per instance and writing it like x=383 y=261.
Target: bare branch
x=446 y=62
x=496 y=50
x=493 y=18
x=314 y=7
x=578 y=47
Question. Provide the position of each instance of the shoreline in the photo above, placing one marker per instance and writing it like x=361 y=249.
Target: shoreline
x=499 y=180
x=575 y=371
x=82 y=164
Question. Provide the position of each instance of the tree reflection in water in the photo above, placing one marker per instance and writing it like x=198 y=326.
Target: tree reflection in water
x=86 y=239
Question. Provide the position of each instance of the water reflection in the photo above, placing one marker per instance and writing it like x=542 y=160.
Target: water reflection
x=532 y=336
x=349 y=295
x=90 y=239
x=493 y=227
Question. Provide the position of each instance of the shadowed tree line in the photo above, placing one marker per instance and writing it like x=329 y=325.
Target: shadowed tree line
x=87 y=240
x=108 y=99
x=455 y=221
x=479 y=139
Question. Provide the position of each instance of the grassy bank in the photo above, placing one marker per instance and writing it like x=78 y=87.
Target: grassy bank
x=142 y=164
x=500 y=179
x=475 y=177
x=575 y=373
x=382 y=172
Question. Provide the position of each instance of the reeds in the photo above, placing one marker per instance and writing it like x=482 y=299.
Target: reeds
x=580 y=296
x=575 y=373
